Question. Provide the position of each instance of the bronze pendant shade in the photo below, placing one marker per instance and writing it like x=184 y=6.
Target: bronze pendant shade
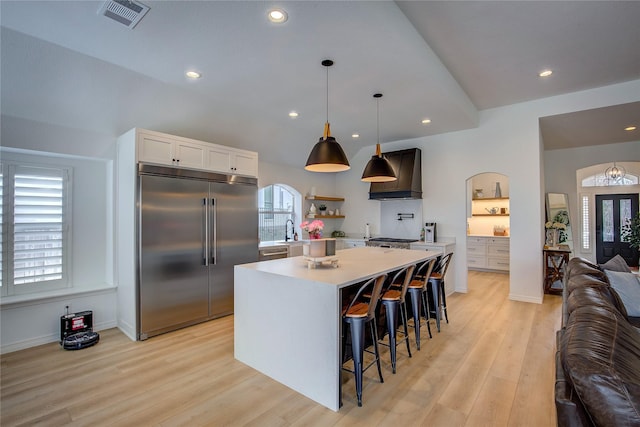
x=327 y=155
x=378 y=169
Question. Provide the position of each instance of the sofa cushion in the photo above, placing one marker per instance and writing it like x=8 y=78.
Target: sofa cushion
x=627 y=285
x=577 y=281
x=578 y=265
x=617 y=263
x=600 y=354
x=601 y=296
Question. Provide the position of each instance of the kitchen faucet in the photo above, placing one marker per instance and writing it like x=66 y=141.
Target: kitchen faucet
x=286 y=229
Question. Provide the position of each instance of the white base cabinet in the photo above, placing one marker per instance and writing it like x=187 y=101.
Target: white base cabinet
x=488 y=253
x=441 y=248
x=350 y=243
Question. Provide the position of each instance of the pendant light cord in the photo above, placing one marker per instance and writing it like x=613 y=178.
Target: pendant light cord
x=327 y=94
x=378 y=120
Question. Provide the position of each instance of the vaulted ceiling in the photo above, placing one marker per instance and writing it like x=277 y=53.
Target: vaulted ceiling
x=65 y=64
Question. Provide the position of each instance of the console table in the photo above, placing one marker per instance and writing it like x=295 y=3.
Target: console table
x=555 y=261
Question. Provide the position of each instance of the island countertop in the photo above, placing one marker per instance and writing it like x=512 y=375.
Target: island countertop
x=354 y=265
x=288 y=320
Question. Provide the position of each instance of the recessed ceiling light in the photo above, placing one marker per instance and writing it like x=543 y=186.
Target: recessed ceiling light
x=545 y=73
x=293 y=114
x=277 y=16
x=355 y=135
x=426 y=121
x=193 y=74
x=630 y=128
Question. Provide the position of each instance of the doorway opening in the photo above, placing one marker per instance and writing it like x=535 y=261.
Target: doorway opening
x=612 y=212
x=603 y=206
x=488 y=223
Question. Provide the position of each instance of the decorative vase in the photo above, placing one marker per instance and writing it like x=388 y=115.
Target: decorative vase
x=314 y=235
x=552 y=237
x=498 y=190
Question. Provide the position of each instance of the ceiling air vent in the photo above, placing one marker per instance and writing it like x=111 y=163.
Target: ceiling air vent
x=126 y=12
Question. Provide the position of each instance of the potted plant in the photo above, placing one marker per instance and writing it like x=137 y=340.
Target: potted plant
x=314 y=228
x=630 y=232
x=322 y=209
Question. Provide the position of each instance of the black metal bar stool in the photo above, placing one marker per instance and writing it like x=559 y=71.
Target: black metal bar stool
x=436 y=289
x=393 y=300
x=359 y=312
x=417 y=290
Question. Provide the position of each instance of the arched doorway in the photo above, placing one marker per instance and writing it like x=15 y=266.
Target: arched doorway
x=603 y=205
x=488 y=222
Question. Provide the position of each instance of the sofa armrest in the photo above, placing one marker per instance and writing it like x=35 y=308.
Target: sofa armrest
x=569 y=409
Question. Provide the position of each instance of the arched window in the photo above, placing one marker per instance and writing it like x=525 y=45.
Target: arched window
x=600 y=180
x=277 y=204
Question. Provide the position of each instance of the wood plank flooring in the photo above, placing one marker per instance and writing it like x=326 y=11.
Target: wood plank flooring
x=492 y=365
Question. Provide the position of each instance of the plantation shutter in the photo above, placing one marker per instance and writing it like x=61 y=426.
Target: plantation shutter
x=2 y=228
x=39 y=197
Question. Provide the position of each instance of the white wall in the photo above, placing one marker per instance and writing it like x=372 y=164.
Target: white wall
x=561 y=166
x=560 y=174
x=27 y=323
x=507 y=141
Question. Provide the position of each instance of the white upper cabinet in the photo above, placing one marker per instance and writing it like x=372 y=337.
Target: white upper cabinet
x=159 y=148
x=228 y=160
x=169 y=151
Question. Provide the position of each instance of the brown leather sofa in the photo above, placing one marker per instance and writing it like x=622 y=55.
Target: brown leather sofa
x=598 y=353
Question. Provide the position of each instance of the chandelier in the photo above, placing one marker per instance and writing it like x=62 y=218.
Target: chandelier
x=614 y=173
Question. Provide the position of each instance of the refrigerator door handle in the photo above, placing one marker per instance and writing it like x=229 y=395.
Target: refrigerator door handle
x=206 y=232
x=214 y=231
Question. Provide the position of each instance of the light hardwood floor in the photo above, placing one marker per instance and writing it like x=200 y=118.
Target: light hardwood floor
x=492 y=365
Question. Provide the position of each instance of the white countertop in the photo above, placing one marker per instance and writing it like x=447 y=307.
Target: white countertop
x=487 y=235
x=355 y=265
x=442 y=244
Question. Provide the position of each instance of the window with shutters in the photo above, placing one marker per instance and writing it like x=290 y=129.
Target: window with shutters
x=35 y=212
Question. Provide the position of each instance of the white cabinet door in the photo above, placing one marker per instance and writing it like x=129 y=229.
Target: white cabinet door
x=498 y=254
x=474 y=261
x=225 y=160
x=189 y=155
x=168 y=151
x=152 y=149
x=498 y=263
x=244 y=163
x=476 y=252
x=354 y=244
x=219 y=159
x=295 y=249
x=426 y=247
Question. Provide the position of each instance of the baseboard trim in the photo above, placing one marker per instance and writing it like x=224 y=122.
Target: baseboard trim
x=47 y=339
x=525 y=298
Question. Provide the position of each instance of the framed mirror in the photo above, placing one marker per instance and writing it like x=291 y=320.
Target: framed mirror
x=558 y=212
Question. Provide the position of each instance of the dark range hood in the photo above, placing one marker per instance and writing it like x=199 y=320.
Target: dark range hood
x=407 y=165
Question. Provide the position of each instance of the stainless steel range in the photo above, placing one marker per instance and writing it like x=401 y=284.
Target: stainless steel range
x=390 y=242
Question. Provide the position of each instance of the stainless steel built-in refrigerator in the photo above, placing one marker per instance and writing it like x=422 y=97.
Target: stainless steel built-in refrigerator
x=193 y=227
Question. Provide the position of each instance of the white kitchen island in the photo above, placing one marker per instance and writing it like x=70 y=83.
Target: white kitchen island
x=288 y=320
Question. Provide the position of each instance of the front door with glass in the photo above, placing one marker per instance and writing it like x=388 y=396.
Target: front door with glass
x=612 y=211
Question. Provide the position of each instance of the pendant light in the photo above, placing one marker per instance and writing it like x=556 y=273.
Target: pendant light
x=378 y=169
x=327 y=155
